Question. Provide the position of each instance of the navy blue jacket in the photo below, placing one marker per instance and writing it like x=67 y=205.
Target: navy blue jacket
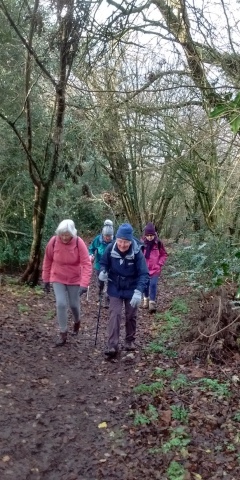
x=126 y=271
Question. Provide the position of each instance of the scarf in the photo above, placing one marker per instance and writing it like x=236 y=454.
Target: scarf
x=149 y=244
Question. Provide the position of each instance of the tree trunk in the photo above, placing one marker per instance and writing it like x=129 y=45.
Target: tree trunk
x=31 y=274
x=162 y=212
x=43 y=169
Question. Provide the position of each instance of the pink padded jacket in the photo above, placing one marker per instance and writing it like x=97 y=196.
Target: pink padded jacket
x=158 y=257
x=67 y=263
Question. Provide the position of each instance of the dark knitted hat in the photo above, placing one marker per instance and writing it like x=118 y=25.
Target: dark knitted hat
x=125 y=231
x=149 y=229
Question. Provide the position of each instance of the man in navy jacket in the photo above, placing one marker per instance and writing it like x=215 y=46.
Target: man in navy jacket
x=124 y=266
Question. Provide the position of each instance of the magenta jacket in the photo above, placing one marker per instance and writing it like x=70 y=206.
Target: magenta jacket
x=158 y=257
x=67 y=263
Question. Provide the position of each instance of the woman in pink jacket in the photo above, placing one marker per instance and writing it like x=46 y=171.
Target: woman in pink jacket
x=67 y=266
x=155 y=255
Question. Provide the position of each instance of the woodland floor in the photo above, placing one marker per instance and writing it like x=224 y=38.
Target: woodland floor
x=68 y=414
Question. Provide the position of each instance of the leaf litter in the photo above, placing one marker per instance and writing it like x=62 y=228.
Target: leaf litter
x=68 y=414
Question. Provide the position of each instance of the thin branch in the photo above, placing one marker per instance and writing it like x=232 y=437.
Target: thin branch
x=31 y=162
x=151 y=109
x=25 y=43
x=219 y=331
x=228 y=27
x=130 y=9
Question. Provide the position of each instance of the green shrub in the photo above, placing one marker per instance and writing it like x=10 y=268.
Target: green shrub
x=175 y=471
x=208 y=264
x=152 y=388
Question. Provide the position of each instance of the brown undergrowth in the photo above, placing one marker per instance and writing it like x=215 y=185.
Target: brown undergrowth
x=213 y=326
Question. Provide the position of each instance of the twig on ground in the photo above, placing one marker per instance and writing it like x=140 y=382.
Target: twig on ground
x=219 y=331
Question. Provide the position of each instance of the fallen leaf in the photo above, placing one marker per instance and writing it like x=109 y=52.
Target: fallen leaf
x=197 y=373
x=44 y=381
x=166 y=416
x=6 y=458
x=102 y=425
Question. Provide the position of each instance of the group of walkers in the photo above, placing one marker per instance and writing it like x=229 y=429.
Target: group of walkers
x=128 y=267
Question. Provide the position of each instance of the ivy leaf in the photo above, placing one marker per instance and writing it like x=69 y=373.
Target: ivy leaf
x=237 y=100
x=219 y=110
x=235 y=123
x=237 y=296
x=225 y=267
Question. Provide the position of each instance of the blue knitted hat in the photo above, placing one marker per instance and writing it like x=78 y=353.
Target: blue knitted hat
x=125 y=231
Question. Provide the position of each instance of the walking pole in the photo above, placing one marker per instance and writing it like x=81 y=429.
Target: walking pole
x=87 y=294
x=98 y=318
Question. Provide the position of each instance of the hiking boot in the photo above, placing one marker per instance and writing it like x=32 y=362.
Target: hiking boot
x=130 y=346
x=152 y=306
x=111 y=352
x=145 y=302
x=76 y=327
x=62 y=340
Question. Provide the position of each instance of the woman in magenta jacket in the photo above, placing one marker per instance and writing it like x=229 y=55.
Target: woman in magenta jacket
x=155 y=255
x=67 y=266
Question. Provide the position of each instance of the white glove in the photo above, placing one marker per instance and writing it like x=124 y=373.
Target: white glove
x=136 y=299
x=92 y=258
x=103 y=276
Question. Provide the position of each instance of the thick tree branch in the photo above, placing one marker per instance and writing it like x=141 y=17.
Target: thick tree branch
x=179 y=26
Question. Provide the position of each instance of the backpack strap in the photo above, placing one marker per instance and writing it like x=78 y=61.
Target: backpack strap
x=52 y=243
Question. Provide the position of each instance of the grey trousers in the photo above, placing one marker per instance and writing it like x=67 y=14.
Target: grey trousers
x=66 y=294
x=115 y=311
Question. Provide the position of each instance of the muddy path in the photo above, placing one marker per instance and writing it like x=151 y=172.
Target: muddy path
x=53 y=401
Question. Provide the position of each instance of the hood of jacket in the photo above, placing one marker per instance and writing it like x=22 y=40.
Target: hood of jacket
x=134 y=249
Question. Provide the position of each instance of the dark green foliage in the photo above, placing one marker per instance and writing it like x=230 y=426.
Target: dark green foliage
x=229 y=109
x=208 y=264
x=14 y=251
x=87 y=213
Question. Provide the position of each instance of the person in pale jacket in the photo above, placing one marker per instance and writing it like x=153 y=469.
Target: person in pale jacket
x=67 y=266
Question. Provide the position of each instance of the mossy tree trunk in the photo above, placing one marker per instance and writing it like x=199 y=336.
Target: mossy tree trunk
x=44 y=154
